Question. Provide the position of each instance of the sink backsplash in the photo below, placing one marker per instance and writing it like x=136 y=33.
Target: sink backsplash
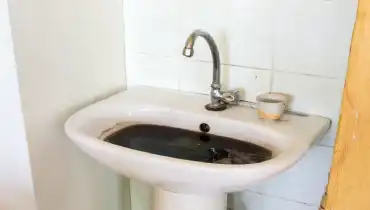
x=299 y=47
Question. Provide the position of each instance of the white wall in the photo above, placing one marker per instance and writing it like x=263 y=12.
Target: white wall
x=16 y=187
x=69 y=54
x=296 y=46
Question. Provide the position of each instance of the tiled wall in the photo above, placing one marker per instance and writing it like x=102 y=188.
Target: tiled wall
x=296 y=46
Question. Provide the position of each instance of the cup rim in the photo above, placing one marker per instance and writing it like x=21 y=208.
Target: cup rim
x=273 y=95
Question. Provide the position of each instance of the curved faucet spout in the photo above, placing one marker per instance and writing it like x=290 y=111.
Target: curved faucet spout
x=189 y=52
x=218 y=99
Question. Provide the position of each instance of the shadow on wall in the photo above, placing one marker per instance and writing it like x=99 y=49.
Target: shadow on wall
x=71 y=110
x=15 y=204
x=97 y=186
x=65 y=178
x=235 y=201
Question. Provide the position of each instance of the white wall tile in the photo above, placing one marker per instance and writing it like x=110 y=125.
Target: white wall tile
x=150 y=27
x=161 y=26
x=250 y=33
x=151 y=71
x=251 y=81
x=197 y=77
x=305 y=182
x=241 y=28
x=255 y=201
x=313 y=36
x=313 y=95
x=271 y=203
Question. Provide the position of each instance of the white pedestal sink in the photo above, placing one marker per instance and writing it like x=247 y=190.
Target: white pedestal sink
x=182 y=184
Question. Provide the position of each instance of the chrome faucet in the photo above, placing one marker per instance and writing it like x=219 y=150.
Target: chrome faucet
x=219 y=99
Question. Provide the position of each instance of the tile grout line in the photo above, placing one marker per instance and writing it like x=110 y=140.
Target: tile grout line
x=281 y=198
x=324 y=145
x=250 y=67
x=311 y=75
x=272 y=76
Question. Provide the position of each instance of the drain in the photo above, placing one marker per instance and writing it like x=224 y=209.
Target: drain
x=204 y=138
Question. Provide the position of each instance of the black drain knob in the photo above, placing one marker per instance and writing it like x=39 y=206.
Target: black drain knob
x=204 y=127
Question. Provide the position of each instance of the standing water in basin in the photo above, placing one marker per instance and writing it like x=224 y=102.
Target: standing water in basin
x=188 y=145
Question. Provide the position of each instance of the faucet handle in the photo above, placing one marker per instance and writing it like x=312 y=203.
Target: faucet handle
x=231 y=97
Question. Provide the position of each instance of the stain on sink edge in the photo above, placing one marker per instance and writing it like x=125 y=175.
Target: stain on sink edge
x=184 y=144
x=118 y=126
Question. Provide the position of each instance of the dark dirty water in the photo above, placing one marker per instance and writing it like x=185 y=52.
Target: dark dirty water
x=188 y=145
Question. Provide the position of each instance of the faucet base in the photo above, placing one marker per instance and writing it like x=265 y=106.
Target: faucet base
x=217 y=107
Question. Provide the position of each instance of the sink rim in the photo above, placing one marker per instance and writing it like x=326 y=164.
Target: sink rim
x=278 y=151
x=228 y=177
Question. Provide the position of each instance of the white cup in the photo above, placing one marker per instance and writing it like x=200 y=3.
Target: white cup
x=271 y=105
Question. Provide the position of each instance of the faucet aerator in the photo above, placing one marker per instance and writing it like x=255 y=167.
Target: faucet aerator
x=188 y=52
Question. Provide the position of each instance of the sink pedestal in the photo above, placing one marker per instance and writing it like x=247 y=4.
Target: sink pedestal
x=166 y=200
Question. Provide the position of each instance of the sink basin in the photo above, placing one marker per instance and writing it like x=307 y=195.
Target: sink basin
x=183 y=181
x=188 y=145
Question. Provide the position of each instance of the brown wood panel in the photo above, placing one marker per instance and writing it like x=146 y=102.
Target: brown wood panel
x=349 y=182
